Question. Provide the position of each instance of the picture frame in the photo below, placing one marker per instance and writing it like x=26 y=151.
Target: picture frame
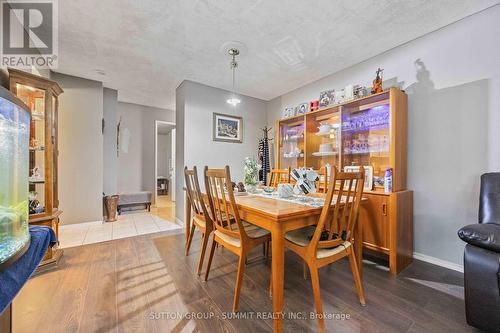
x=301 y=109
x=368 y=186
x=227 y=128
x=326 y=98
x=289 y=112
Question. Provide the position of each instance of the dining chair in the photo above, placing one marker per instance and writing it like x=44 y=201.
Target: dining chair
x=279 y=176
x=323 y=180
x=201 y=218
x=332 y=238
x=234 y=234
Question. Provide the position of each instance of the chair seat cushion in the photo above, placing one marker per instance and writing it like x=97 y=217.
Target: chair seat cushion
x=252 y=231
x=303 y=236
x=200 y=221
x=486 y=236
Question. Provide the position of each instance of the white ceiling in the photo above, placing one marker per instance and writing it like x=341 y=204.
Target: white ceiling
x=148 y=47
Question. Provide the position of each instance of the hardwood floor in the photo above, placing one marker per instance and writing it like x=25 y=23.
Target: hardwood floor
x=146 y=284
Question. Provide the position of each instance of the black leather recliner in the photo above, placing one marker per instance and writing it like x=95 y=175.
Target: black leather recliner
x=482 y=259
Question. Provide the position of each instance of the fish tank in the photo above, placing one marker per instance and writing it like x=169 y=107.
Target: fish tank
x=14 y=157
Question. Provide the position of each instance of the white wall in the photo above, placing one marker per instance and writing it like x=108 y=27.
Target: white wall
x=200 y=102
x=454 y=122
x=110 y=158
x=80 y=149
x=136 y=169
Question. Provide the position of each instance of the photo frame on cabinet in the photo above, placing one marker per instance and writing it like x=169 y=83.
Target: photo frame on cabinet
x=288 y=112
x=368 y=186
x=227 y=128
x=301 y=109
x=326 y=98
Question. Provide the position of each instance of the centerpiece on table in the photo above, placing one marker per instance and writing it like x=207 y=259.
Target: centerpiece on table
x=251 y=171
x=305 y=180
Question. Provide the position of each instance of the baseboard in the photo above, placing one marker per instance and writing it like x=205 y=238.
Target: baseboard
x=179 y=221
x=439 y=262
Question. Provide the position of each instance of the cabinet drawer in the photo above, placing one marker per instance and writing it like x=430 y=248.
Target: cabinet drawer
x=374 y=215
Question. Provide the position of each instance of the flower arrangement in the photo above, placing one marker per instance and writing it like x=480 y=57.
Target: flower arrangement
x=251 y=171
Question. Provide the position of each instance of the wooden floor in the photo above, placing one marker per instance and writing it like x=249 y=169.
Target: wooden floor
x=146 y=284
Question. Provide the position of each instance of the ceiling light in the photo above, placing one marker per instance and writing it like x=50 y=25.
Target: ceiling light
x=233 y=52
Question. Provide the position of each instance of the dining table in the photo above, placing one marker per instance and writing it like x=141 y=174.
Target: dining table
x=279 y=217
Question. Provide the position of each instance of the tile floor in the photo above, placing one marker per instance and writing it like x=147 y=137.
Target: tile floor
x=128 y=225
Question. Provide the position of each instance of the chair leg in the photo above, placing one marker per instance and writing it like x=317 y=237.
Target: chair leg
x=188 y=245
x=357 y=278
x=313 y=271
x=304 y=270
x=209 y=263
x=203 y=249
x=239 y=278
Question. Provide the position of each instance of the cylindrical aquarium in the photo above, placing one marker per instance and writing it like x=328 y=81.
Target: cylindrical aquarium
x=14 y=150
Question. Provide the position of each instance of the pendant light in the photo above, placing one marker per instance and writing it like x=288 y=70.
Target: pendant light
x=233 y=100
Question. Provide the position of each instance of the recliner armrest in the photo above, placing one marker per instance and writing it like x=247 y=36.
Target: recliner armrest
x=486 y=236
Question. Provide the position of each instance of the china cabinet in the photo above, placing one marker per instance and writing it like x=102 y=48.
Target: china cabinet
x=371 y=132
x=41 y=96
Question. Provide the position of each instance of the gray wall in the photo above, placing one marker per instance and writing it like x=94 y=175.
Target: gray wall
x=80 y=149
x=110 y=158
x=136 y=169
x=164 y=153
x=200 y=102
x=454 y=122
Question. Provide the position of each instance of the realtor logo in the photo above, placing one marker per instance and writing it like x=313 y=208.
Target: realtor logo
x=29 y=33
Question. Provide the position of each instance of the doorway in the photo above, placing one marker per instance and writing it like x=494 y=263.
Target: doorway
x=165 y=170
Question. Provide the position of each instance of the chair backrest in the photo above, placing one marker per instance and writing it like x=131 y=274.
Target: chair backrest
x=322 y=184
x=222 y=203
x=341 y=220
x=279 y=176
x=195 y=197
x=489 y=200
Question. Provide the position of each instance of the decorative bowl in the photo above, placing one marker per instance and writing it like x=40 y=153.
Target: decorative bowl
x=268 y=189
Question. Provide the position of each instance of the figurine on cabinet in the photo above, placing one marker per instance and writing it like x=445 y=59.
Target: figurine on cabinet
x=377 y=83
x=313 y=105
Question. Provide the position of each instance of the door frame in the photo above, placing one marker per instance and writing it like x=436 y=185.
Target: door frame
x=171 y=188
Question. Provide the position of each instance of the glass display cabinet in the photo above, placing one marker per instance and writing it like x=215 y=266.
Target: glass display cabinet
x=41 y=97
x=366 y=138
x=323 y=143
x=372 y=132
x=291 y=143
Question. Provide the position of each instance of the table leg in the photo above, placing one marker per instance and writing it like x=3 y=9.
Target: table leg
x=278 y=263
x=187 y=217
x=358 y=246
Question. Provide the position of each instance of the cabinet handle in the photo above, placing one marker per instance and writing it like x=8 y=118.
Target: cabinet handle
x=384 y=209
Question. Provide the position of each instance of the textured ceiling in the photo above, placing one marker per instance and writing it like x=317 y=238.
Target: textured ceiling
x=148 y=47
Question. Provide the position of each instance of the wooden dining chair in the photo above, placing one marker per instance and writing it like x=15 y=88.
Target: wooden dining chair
x=201 y=218
x=322 y=183
x=279 y=176
x=236 y=235
x=332 y=238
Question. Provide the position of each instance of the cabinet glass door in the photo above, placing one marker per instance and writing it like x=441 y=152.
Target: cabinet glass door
x=323 y=140
x=35 y=99
x=366 y=138
x=291 y=145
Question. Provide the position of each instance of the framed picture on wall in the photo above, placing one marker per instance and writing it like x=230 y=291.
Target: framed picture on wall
x=227 y=128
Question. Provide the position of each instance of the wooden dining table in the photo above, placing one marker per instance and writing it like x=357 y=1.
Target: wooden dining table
x=279 y=217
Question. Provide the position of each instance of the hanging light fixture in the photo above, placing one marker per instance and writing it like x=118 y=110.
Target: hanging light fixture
x=233 y=52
